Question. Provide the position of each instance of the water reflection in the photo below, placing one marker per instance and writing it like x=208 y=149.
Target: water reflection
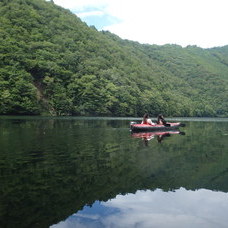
x=159 y=135
x=180 y=208
x=52 y=168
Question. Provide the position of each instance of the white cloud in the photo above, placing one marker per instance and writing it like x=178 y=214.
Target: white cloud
x=184 y=22
x=80 y=5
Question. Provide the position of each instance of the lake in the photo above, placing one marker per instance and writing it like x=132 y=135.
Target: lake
x=92 y=172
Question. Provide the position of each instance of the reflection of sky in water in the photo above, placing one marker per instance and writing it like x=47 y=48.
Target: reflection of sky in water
x=182 y=208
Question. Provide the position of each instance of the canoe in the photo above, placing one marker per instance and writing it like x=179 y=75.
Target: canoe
x=157 y=127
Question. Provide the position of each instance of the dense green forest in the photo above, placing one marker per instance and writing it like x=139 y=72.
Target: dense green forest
x=51 y=63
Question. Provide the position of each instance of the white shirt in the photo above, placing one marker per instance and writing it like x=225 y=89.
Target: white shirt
x=149 y=121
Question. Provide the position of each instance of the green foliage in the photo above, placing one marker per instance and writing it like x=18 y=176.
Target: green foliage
x=68 y=68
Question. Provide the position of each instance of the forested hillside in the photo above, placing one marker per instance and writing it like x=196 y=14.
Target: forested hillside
x=53 y=63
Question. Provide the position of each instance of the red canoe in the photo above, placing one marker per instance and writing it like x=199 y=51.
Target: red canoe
x=157 y=127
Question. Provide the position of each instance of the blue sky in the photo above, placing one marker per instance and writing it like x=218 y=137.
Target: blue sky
x=184 y=22
x=96 y=17
x=99 y=21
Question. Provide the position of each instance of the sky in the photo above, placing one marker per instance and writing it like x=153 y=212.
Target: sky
x=183 y=22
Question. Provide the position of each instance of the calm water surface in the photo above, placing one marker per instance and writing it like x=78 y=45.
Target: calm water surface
x=92 y=172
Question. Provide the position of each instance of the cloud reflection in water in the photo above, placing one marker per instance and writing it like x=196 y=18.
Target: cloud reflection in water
x=182 y=208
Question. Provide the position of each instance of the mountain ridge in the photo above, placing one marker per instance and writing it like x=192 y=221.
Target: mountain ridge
x=53 y=63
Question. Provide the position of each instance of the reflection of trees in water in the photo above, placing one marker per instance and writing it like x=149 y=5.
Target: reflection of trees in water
x=71 y=166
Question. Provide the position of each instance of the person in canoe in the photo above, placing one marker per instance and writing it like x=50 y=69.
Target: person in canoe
x=161 y=120
x=147 y=120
